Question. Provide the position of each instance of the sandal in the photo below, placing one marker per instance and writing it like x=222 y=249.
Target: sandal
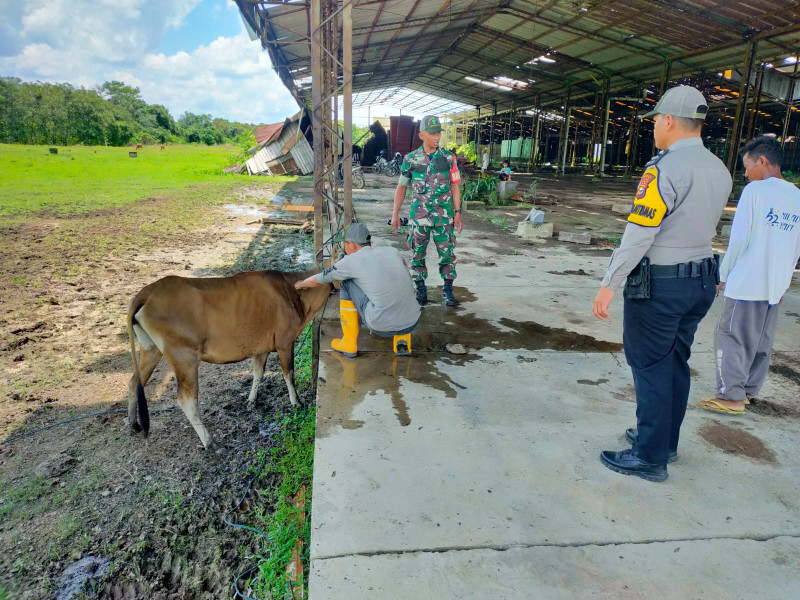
x=715 y=406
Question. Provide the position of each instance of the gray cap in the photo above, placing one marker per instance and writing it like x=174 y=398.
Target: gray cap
x=356 y=233
x=682 y=101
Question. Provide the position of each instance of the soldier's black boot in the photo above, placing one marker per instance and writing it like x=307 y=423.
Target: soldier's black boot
x=422 y=292
x=447 y=293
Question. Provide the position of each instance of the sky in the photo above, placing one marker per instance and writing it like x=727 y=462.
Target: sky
x=189 y=55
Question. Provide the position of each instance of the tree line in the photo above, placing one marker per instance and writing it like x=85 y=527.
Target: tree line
x=112 y=114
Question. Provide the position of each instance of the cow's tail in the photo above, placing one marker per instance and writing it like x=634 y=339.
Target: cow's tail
x=140 y=401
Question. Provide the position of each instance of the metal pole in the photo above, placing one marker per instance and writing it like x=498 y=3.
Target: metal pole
x=756 y=101
x=333 y=32
x=316 y=124
x=491 y=133
x=319 y=151
x=789 y=102
x=738 y=119
x=564 y=137
x=593 y=141
x=575 y=143
x=661 y=89
x=534 y=132
x=605 y=130
x=347 y=75
x=634 y=141
x=478 y=134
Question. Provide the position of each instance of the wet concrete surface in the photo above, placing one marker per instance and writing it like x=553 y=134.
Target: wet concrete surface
x=449 y=476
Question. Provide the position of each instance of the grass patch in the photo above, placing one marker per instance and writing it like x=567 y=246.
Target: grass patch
x=81 y=179
x=302 y=359
x=290 y=464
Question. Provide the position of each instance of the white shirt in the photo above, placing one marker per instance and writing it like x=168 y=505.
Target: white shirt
x=765 y=242
x=485 y=160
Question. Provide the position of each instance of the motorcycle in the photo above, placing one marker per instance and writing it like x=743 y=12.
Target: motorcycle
x=359 y=181
x=393 y=167
x=381 y=165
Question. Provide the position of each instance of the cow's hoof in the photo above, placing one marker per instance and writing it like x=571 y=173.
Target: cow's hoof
x=136 y=428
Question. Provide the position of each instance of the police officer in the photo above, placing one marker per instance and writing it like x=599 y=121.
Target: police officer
x=435 y=207
x=671 y=272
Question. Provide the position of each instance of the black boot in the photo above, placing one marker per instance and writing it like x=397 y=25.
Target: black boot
x=631 y=434
x=627 y=463
x=422 y=292
x=447 y=293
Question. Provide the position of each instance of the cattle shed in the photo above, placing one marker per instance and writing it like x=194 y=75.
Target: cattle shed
x=551 y=84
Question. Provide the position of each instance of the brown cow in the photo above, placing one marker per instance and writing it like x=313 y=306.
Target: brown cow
x=217 y=320
x=138 y=146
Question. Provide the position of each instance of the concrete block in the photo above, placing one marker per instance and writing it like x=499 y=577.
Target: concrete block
x=726 y=231
x=584 y=237
x=529 y=231
x=506 y=189
x=473 y=205
x=622 y=208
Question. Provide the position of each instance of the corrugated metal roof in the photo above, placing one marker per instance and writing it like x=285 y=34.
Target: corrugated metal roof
x=407 y=43
x=291 y=142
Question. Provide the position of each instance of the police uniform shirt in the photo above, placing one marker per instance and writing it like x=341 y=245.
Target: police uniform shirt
x=675 y=212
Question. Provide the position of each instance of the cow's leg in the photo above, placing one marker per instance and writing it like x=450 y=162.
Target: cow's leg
x=259 y=362
x=286 y=355
x=148 y=361
x=186 y=375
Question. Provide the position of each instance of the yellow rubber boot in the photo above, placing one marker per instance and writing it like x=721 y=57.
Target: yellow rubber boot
x=348 y=343
x=402 y=344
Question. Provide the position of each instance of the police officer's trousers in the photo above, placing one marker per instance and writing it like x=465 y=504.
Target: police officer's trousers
x=657 y=337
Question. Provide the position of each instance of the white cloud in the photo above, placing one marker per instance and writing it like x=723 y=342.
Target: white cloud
x=229 y=72
x=88 y=42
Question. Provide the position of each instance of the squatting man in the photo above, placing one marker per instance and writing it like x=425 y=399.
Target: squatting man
x=375 y=287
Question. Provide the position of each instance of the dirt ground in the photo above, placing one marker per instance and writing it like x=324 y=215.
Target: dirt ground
x=143 y=516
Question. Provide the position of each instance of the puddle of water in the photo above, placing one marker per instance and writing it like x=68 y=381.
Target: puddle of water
x=247 y=229
x=241 y=210
x=354 y=380
x=733 y=440
x=590 y=382
x=298 y=256
x=249 y=210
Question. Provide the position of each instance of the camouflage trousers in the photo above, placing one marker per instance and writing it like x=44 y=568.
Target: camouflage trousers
x=445 y=242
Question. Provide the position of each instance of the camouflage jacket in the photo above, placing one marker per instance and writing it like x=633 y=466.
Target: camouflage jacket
x=430 y=177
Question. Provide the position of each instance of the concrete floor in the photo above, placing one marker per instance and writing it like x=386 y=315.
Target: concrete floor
x=477 y=476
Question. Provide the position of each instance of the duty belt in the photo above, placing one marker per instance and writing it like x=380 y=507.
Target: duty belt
x=687 y=269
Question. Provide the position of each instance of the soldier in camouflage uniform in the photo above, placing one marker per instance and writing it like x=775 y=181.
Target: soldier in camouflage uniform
x=435 y=207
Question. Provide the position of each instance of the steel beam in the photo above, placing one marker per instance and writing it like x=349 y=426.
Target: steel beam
x=740 y=105
x=347 y=77
x=789 y=103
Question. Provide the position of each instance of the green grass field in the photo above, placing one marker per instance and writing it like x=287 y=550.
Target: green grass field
x=81 y=179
